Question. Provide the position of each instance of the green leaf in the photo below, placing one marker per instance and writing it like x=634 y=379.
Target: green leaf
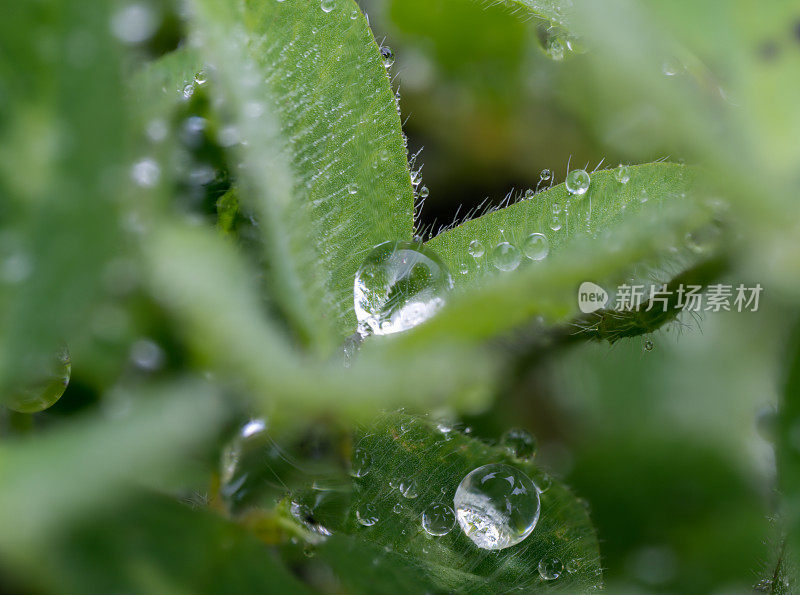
x=71 y=472
x=154 y=544
x=201 y=279
x=324 y=164
x=62 y=148
x=405 y=447
x=611 y=233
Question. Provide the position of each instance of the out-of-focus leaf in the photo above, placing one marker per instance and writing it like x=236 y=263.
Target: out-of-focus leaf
x=324 y=162
x=74 y=472
x=156 y=545
x=403 y=449
x=62 y=152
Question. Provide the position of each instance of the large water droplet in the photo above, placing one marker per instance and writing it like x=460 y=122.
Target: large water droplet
x=506 y=257
x=577 y=182
x=242 y=462
x=476 y=249
x=550 y=568
x=519 y=443
x=399 y=285
x=438 y=519
x=497 y=506
x=50 y=378
x=536 y=246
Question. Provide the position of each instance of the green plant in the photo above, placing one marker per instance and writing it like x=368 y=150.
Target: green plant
x=212 y=176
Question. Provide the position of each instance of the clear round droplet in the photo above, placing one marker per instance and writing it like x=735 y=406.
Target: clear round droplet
x=550 y=568
x=48 y=381
x=519 y=443
x=577 y=182
x=497 y=506
x=476 y=249
x=536 y=246
x=399 y=285
x=506 y=257
x=545 y=175
x=388 y=56
x=352 y=188
x=438 y=519
x=648 y=345
x=328 y=5
x=361 y=463
x=556 y=48
x=408 y=487
x=622 y=174
x=555 y=223
x=424 y=192
x=367 y=515
x=242 y=460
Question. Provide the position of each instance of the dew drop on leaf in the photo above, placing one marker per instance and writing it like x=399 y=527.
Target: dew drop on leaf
x=577 y=182
x=536 y=246
x=506 y=257
x=362 y=462
x=50 y=380
x=648 y=345
x=399 y=285
x=550 y=568
x=438 y=519
x=424 y=192
x=497 y=506
x=622 y=174
x=408 y=487
x=388 y=56
x=545 y=175
x=328 y=5
x=476 y=249
x=519 y=443
x=367 y=515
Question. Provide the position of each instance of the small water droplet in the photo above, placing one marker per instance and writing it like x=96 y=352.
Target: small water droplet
x=399 y=508
x=361 y=463
x=147 y=355
x=545 y=175
x=648 y=345
x=497 y=506
x=519 y=443
x=134 y=23
x=399 y=285
x=352 y=188
x=388 y=56
x=577 y=182
x=622 y=174
x=424 y=192
x=536 y=246
x=543 y=483
x=146 y=172
x=672 y=67
x=573 y=565
x=408 y=487
x=367 y=515
x=556 y=48
x=550 y=568
x=476 y=249
x=438 y=519
x=328 y=5
x=506 y=257
x=47 y=382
